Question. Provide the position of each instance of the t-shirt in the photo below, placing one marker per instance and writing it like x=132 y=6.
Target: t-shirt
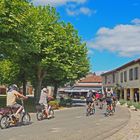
x=109 y=94
x=11 y=98
x=89 y=95
x=43 y=98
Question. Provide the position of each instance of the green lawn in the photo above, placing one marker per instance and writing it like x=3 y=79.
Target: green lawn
x=29 y=103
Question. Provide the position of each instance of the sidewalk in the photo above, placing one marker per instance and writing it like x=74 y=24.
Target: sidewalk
x=131 y=131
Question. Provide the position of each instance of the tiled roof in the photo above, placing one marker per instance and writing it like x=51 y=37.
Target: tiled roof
x=92 y=78
x=88 y=85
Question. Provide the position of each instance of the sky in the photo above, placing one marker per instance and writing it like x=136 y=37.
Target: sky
x=110 y=28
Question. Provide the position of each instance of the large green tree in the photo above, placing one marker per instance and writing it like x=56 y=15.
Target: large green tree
x=40 y=44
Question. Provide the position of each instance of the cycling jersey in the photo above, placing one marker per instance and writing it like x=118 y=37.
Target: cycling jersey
x=89 y=98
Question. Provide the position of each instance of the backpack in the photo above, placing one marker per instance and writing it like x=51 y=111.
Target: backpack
x=109 y=94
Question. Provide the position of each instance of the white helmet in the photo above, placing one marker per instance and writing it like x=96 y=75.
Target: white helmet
x=15 y=87
x=45 y=89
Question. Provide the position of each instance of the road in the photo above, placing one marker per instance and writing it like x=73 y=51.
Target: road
x=70 y=124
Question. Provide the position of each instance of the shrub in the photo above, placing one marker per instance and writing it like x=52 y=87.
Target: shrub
x=122 y=102
x=82 y=97
x=136 y=105
x=129 y=103
x=54 y=104
x=65 y=102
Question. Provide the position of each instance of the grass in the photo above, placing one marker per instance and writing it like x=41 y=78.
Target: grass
x=130 y=103
x=122 y=101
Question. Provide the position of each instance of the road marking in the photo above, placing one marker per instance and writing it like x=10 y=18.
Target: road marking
x=55 y=130
x=78 y=117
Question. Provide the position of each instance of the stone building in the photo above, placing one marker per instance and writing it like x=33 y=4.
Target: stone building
x=125 y=80
x=82 y=86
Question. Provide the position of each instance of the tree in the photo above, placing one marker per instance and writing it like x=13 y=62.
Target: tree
x=41 y=44
x=69 y=55
x=8 y=72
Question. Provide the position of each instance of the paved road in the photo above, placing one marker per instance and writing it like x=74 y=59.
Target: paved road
x=70 y=124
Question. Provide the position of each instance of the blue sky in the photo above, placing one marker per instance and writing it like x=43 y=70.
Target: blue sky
x=111 y=29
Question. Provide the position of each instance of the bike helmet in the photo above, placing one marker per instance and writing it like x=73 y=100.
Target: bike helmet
x=45 y=89
x=14 y=87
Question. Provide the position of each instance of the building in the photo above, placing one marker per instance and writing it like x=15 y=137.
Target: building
x=125 y=80
x=2 y=89
x=82 y=86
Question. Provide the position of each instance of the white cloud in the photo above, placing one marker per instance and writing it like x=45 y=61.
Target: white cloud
x=81 y=10
x=122 y=39
x=100 y=72
x=136 y=21
x=71 y=6
x=57 y=2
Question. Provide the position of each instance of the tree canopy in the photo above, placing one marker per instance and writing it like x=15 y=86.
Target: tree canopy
x=40 y=45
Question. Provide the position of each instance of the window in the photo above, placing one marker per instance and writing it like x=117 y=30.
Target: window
x=121 y=77
x=105 y=79
x=113 y=77
x=136 y=73
x=125 y=76
x=131 y=74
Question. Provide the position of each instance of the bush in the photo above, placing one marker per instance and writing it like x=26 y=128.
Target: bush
x=54 y=104
x=82 y=97
x=65 y=102
x=129 y=103
x=122 y=102
x=136 y=105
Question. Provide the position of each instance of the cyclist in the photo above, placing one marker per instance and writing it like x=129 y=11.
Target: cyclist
x=109 y=96
x=44 y=96
x=101 y=100
x=114 y=100
x=12 y=96
x=90 y=99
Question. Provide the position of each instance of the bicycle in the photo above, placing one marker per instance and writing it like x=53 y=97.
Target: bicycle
x=90 y=109
x=109 y=110
x=41 y=112
x=8 y=118
x=113 y=105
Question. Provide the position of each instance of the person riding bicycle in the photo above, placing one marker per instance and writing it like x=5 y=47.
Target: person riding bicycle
x=114 y=97
x=109 y=96
x=12 y=96
x=44 y=96
x=90 y=98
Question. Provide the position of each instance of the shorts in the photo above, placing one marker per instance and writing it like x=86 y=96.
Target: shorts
x=89 y=100
x=45 y=105
x=16 y=105
x=109 y=101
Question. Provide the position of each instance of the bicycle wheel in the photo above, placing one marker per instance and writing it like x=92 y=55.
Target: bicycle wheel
x=113 y=108
x=88 y=111
x=26 y=118
x=92 y=112
x=39 y=115
x=4 y=122
x=51 y=113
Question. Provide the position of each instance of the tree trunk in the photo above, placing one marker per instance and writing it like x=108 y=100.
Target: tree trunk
x=40 y=76
x=38 y=90
x=24 y=87
x=24 y=82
